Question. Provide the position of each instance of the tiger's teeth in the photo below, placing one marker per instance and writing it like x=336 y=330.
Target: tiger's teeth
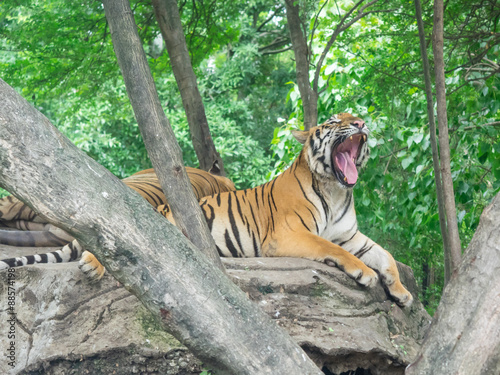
x=350 y=138
x=364 y=137
x=345 y=179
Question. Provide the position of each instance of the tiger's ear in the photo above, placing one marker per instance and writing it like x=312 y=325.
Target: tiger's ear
x=300 y=135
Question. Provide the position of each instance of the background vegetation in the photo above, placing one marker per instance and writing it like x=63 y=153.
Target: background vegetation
x=59 y=55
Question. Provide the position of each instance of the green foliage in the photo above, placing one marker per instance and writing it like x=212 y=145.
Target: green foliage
x=285 y=147
x=245 y=161
x=376 y=72
x=59 y=55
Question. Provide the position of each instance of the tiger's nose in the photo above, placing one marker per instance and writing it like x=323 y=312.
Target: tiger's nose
x=358 y=123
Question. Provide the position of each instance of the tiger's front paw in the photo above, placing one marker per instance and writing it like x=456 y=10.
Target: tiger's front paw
x=91 y=267
x=394 y=287
x=399 y=293
x=361 y=273
x=366 y=277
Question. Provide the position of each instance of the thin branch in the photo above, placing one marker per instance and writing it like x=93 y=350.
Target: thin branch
x=277 y=51
x=274 y=43
x=393 y=152
x=326 y=85
x=383 y=72
x=315 y=24
x=387 y=165
x=337 y=31
x=488 y=170
x=467 y=81
x=474 y=36
x=474 y=127
x=269 y=18
x=357 y=18
x=475 y=59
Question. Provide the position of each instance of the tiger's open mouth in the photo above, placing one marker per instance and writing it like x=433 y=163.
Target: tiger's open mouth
x=345 y=157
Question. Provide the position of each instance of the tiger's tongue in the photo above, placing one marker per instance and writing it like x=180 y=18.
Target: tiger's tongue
x=346 y=165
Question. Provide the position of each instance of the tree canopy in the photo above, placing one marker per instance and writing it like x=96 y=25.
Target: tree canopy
x=59 y=56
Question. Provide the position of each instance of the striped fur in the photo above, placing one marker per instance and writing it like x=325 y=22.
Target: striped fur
x=70 y=252
x=37 y=232
x=308 y=211
x=203 y=183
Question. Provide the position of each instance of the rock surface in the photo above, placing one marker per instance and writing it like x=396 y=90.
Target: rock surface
x=66 y=325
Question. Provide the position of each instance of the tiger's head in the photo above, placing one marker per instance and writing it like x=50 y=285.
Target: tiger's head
x=337 y=147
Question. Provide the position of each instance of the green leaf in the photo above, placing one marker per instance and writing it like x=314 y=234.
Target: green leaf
x=463 y=187
x=406 y=162
x=366 y=201
x=417 y=138
x=482 y=159
x=329 y=69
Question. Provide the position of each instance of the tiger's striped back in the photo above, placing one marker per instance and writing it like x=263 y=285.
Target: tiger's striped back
x=146 y=183
x=12 y=210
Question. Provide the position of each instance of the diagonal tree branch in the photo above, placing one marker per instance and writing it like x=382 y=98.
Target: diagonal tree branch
x=315 y=24
x=270 y=18
x=169 y=21
x=158 y=136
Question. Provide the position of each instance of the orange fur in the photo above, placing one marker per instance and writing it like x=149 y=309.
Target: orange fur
x=307 y=211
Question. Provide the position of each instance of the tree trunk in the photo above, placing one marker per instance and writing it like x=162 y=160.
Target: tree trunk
x=195 y=301
x=169 y=20
x=433 y=138
x=464 y=337
x=428 y=280
x=159 y=138
x=444 y=145
x=302 y=58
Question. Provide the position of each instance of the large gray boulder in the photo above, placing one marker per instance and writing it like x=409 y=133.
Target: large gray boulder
x=66 y=325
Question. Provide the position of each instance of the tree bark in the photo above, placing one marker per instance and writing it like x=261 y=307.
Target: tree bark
x=464 y=337
x=193 y=300
x=169 y=21
x=158 y=136
x=444 y=146
x=302 y=59
x=433 y=138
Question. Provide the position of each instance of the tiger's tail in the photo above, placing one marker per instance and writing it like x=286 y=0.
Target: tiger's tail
x=69 y=253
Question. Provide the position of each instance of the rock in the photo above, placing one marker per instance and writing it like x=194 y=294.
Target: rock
x=66 y=325
x=340 y=324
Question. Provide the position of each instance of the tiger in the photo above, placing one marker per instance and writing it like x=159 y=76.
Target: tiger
x=37 y=232
x=307 y=211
